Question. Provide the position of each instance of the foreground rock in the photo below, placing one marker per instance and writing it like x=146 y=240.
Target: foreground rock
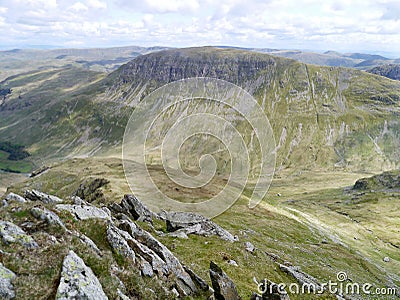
x=153 y=258
x=249 y=247
x=136 y=209
x=84 y=212
x=224 y=288
x=11 y=233
x=6 y=286
x=35 y=195
x=89 y=243
x=160 y=258
x=78 y=281
x=191 y=223
x=301 y=277
x=15 y=197
x=47 y=216
x=118 y=240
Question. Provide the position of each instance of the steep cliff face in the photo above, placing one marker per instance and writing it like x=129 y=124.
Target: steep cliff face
x=391 y=71
x=322 y=117
x=167 y=66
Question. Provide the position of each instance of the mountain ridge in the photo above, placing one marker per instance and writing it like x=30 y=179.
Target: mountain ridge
x=321 y=109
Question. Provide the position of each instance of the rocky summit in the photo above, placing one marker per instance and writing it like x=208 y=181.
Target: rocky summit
x=125 y=252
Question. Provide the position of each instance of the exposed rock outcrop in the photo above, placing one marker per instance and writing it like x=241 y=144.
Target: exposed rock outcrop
x=191 y=223
x=90 y=189
x=88 y=242
x=224 y=288
x=11 y=233
x=171 y=264
x=47 y=216
x=84 y=212
x=301 y=277
x=249 y=247
x=172 y=65
x=39 y=171
x=152 y=257
x=6 y=287
x=78 y=281
x=15 y=197
x=118 y=242
x=35 y=195
x=387 y=180
x=391 y=71
x=200 y=282
x=136 y=209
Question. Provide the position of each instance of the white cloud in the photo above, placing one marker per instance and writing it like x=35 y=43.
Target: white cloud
x=97 y=4
x=79 y=6
x=331 y=24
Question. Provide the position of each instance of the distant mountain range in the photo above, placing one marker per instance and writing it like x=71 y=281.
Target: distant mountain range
x=16 y=61
x=361 y=61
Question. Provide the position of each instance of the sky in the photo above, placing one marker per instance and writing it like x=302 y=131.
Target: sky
x=340 y=25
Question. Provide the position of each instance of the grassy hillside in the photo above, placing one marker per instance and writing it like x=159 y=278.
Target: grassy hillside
x=58 y=113
x=322 y=117
x=17 y=61
x=316 y=226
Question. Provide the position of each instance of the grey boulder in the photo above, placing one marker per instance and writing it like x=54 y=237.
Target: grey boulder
x=35 y=195
x=249 y=247
x=15 y=197
x=150 y=256
x=78 y=281
x=118 y=241
x=84 y=212
x=224 y=288
x=11 y=233
x=134 y=207
x=191 y=223
x=47 y=216
x=6 y=287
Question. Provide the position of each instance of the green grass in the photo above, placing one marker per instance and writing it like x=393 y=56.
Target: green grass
x=15 y=166
x=305 y=227
x=19 y=166
x=3 y=155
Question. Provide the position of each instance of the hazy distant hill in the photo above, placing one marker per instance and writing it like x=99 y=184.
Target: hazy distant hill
x=97 y=59
x=360 y=61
